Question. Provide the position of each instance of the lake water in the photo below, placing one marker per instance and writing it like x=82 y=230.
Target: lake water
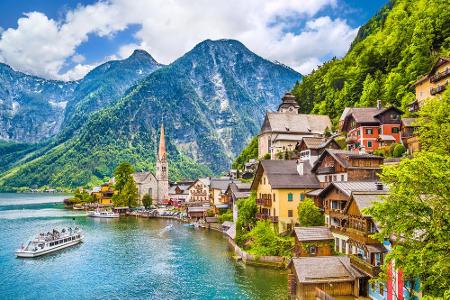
x=128 y=258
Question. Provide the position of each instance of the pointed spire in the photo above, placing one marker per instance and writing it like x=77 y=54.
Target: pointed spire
x=162 y=144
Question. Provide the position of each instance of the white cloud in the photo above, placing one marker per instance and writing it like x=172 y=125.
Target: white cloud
x=168 y=29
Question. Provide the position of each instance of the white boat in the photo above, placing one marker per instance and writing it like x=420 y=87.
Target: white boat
x=103 y=214
x=50 y=242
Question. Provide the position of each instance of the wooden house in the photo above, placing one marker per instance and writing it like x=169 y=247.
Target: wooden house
x=369 y=128
x=104 y=193
x=310 y=148
x=313 y=241
x=323 y=277
x=236 y=192
x=280 y=185
x=343 y=165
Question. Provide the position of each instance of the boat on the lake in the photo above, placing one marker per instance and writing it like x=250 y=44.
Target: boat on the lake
x=103 y=214
x=50 y=242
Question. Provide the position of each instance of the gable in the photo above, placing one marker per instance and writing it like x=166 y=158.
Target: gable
x=266 y=125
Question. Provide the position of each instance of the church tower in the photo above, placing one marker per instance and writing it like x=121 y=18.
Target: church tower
x=162 y=169
x=288 y=104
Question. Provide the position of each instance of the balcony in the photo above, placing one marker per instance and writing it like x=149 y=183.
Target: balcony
x=274 y=219
x=336 y=213
x=364 y=266
x=337 y=229
x=438 y=89
x=326 y=170
x=439 y=75
x=264 y=202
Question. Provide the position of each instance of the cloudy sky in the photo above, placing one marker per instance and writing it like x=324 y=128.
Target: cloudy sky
x=64 y=39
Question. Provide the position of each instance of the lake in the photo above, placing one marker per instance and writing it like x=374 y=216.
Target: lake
x=126 y=258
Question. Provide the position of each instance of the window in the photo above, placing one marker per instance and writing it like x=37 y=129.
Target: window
x=312 y=250
x=290 y=197
x=342 y=178
x=264 y=180
x=336 y=244
x=394 y=116
x=273 y=197
x=290 y=213
x=369 y=131
x=369 y=144
x=302 y=197
x=343 y=245
x=395 y=130
x=334 y=178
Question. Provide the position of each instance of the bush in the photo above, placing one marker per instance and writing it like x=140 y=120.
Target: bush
x=309 y=214
x=263 y=241
x=266 y=156
x=147 y=200
x=246 y=217
x=399 y=149
x=225 y=216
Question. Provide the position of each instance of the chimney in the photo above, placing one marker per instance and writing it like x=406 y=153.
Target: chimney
x=379 y=186
x=300 y=167
x=378 y=104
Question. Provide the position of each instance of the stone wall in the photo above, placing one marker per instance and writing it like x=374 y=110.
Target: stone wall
x=266 y=261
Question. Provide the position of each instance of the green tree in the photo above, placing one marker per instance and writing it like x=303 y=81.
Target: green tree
x=249 y=152
x=122 y=175
x=416 y=212
x=434 y=124
x=147 y=200
x=309 y=214
x=263 y=240
x=128 y=196
x=246 y=217
x=399 y=149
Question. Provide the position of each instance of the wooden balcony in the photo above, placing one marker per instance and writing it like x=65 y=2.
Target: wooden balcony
x=359 y=236
x=438 y=89
x=264 y=202
x=364 y=266
x=326 y=170
x=439 y=75
x=336 y=213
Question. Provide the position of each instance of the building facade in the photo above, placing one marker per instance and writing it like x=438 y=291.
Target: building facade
x=283 y=129
x=370 y=128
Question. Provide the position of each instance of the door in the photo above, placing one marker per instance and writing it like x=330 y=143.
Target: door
x=363 y=287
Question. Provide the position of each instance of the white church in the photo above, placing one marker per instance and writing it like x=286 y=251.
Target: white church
x=155 y=185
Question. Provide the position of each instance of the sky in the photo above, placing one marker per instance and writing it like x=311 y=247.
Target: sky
x=65 y=39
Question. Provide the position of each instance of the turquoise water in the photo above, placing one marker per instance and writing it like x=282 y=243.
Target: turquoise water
x=129 y=258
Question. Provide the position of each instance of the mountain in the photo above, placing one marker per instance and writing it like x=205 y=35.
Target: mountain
x=395 y=48
x=211 y=100
x=33 y=109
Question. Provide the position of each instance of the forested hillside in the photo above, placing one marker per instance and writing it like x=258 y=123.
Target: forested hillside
x=390 y=52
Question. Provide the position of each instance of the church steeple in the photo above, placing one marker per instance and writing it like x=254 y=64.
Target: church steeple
x=288 y=104
x=162 y=169
x=162 y=144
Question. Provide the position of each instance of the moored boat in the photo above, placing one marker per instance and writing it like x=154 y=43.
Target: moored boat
x=50 y=242
x=103 y=214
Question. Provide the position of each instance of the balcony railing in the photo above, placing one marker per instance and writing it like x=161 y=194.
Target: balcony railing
x=326 y=170
x=364 y=266
x=264 y=202
x=439 y=75
x=438 y=89
x=351 y=139
x=274 y=219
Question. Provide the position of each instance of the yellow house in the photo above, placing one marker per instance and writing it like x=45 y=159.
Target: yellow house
x=280 y=186
x=433 y=83
x=104 y=193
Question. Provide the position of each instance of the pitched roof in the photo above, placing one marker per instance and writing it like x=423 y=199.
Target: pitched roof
x=283 y=174
x=343 y=156
x=386 y=137
x=366 y=199
x=324 y=269
x=221 y=183
x=297 y=123
x=140 y=177
x=313 y=233
x=314 y=192
x=349 y=187
x=317 y=142
x=366 y=114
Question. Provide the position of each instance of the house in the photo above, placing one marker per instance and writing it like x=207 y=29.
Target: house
x=280 y=185
x=236 y=192
x=344 y=204
x=197 y=212
x=104 y=193
x=310 y=148
x=323 y=277
x=217 y=189
x=281 y=130
x=313 y=241
x=344 y=165
x=432 y=84
x=370 y=128
x=179 y=193
x=199 y=191
x=409 y=138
